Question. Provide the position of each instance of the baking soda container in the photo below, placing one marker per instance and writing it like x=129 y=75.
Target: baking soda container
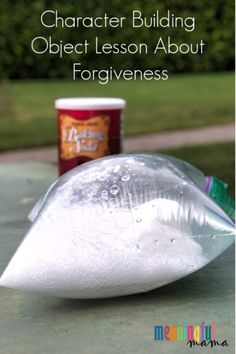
x=88 y=128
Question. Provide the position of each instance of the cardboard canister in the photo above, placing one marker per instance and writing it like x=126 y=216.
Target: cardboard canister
x=88 y=128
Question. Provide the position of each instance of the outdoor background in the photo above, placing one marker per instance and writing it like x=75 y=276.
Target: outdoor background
x=199 y=92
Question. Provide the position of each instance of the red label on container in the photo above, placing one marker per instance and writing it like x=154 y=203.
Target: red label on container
x=85 y=135
x=87 y=138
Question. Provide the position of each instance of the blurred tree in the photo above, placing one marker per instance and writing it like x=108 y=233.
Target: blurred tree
x=20 y=23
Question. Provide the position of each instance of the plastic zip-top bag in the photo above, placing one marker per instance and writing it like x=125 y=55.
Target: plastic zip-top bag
x=121 y=225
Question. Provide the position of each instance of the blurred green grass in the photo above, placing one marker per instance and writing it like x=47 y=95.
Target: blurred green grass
x=28 y=117
x=213 y=159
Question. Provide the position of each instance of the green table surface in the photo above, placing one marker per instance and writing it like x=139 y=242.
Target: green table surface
x=37 y=324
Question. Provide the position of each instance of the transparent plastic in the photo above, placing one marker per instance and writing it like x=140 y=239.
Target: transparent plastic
x=120 y=225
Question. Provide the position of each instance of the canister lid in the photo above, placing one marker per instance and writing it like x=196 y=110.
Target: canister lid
x=90 y=103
